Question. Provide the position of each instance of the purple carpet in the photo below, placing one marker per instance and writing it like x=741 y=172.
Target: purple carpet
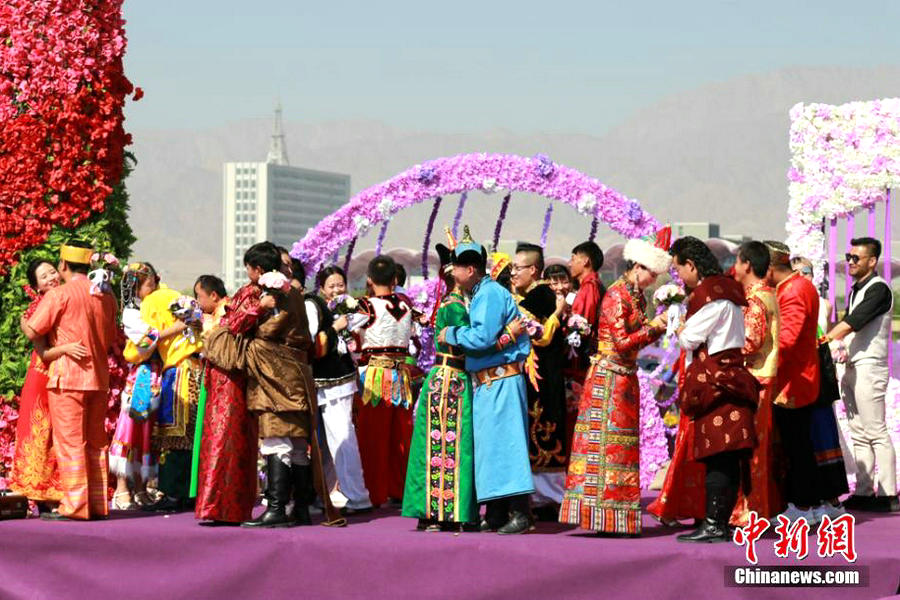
x=380 y=555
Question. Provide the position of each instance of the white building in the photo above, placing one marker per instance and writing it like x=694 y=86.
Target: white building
x=273 y=201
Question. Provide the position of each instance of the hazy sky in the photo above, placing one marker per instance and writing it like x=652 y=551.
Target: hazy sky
x=469 y=66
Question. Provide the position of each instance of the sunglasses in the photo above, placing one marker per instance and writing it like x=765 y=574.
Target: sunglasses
x=854 y=258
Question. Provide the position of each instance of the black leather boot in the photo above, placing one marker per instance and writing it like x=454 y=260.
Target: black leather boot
x=520 y=520
x=495 y=516
x=304 y=493
x=278 y=491
x=714 y=528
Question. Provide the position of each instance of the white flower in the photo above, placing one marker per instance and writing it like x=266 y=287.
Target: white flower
x=362 y=224
x=386 y=206
x=586 y=204
x=351 y=303
x=422 y=297
x=489 y=185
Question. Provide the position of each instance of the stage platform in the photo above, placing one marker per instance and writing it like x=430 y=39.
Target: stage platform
x=381 y=555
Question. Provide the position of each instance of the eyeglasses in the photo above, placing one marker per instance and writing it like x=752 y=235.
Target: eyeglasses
x=854 y=258
x=517 y=268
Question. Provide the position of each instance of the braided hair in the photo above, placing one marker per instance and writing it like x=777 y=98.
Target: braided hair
x=133 y=278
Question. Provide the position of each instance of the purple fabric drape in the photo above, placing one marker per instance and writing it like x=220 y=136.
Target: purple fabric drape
x=832 y=266
x=850 y=234
x=887 y=269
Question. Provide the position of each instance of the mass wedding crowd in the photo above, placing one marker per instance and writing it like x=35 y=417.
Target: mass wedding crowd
x=531 y=407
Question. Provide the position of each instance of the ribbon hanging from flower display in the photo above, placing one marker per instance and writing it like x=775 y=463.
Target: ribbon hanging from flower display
x=849 y=234
x=500 y=218
x=548 y=215
x=593 y=234
x=871 y=229
x=349 y=256
x=457 y=218
x=428 y=229
x=887 y=268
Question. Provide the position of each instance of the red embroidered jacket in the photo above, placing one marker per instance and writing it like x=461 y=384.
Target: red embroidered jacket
x=798 y=356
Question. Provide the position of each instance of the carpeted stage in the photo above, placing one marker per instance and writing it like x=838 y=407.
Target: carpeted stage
x=380 y=555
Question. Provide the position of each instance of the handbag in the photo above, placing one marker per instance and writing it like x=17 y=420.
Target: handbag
x=829 y=391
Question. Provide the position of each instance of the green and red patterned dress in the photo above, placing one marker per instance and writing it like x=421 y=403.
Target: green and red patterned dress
x=603 y=483
x=440 y=477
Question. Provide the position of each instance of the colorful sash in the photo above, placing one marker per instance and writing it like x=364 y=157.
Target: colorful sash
x=145 y=392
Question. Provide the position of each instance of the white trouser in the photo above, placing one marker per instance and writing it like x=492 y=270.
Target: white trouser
x=864 y=387
x=549 y=487
x=290 y=450
x=337 y=418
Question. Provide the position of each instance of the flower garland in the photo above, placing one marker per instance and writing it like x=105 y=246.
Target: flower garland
x=504 y=206
x=62 y=94
x=428 y=229
x=349 y=255
x=843 y=158
x=379 y=243
x=546 y=229
x=466 y=172
x=457 y=218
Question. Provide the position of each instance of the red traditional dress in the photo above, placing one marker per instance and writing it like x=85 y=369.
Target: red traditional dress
x=762 y=493
x=35 y=473
x=683 y=494
x=586 y=304
x=603 y=490
x=226 y=480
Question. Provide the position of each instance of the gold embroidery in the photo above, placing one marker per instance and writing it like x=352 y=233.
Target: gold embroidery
x=735 y=415
x=718 y=420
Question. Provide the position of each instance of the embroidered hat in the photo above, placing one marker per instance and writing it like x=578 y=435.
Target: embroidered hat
x=651 y=251
x=468 y=251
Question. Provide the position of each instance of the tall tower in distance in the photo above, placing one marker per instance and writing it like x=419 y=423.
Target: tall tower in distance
x=273 y=201
x=277 y=148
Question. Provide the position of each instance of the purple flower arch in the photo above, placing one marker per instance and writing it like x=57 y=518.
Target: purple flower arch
x=465 y=173
x=489 y=173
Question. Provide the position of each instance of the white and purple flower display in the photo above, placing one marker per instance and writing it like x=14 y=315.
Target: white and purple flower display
x=843 y=158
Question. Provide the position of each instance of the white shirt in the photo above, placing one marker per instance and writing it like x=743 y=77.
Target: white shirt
x=720 y=324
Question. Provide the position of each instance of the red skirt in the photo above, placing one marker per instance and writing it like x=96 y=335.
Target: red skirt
x=226 y=481
x=760 y=490
x=35 y=473
x=683 y=495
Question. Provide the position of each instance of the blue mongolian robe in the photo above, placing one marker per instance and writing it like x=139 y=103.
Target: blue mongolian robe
x=500 y=409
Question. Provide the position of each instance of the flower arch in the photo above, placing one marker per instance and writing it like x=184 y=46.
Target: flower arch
x=843 y=159
x=489 y=173
x=460 y=174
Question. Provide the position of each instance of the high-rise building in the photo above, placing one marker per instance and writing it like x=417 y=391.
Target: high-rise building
x=273 y=201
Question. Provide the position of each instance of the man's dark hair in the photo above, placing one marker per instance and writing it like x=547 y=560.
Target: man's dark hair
x=557 y=270
x=757 y=255
x=298 y=271
x=210 y=284
x=471 y=258
x=78 y=267
x=31 y=271
x=264 y=255
x=382 y=270
x=401 y=275
x=690 y=248
x=871 y=244
x=327 y=272
x=592 y=251
x=538 y=253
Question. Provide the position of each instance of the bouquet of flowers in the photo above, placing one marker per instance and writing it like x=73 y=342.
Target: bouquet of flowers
x=344 y=304
x=579 y=328
x=187 y=310
x=532 y=327
x=274 y=283
x=101 y=277
x=672 y=297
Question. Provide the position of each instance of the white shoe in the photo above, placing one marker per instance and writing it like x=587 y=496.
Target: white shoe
x=793 y=513
x=827 y=508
